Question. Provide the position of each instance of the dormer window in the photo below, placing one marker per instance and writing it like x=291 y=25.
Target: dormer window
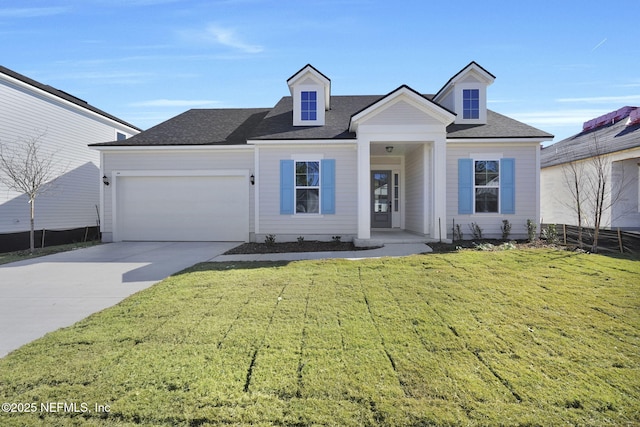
x=310 y=93
x=466 y=94
x=309 y=106
x=471 y=104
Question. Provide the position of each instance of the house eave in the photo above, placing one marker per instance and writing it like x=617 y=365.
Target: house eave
x=499 y=139
x=200 y=147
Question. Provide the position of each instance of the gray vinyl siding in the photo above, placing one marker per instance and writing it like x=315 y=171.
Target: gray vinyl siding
x=66 y=130
x=527 y=198
x=289 y=227
x=400 y=112
x=415 y=204
x=170 y=160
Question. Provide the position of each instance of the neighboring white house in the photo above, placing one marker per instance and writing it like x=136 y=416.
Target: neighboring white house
x=65 y=125
x=613 y=138
x=319 y=165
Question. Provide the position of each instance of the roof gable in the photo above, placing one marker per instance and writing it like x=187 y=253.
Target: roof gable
x=309 y=75
x=472 y=72
x=401 y=98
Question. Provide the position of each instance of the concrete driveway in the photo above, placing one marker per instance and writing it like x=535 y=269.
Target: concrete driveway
x=44 y=294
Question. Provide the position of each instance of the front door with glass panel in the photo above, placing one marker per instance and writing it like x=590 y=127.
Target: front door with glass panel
x=381 y=199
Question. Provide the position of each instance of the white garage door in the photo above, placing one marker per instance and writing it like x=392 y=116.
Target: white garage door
x=182 y=208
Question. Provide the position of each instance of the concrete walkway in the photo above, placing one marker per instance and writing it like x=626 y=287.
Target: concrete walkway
x=43 y=294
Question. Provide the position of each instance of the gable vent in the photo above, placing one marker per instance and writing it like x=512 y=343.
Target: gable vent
x=609 y=118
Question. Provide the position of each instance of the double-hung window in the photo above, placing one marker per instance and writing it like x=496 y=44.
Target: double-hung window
x=487 y=185
x=309 y=106
x=471 y=104
x=307 y=187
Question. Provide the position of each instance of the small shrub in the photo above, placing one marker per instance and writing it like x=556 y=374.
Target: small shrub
x=300 y=239
x=270 y=239
x=336 y=239
x=506 y=229
x=476 y=231
x=485 y=247
x=531 y=230
x=550 y=234
x=507 y=246
x=457 y=233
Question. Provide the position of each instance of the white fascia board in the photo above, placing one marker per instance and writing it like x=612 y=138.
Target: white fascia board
x=137 y=148
x=303 y=142
x=180 y=172
x=484 y=141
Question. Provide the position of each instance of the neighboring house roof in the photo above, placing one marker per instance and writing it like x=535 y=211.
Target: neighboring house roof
x=63 y=95
x=609 y=138
x=224 y=126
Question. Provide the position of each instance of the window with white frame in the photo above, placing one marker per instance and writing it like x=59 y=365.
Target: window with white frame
x=471 y=104
x=309 y=106
x=487 y=186
x=307 y=186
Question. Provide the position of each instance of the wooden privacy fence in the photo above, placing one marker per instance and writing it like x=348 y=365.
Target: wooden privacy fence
x=614 y=240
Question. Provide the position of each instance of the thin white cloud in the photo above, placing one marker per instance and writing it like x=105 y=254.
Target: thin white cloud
x=175 y=103
x=603 y=99
x=599 y=44
x=219 y=35
x=31 y=12
x=557 y=118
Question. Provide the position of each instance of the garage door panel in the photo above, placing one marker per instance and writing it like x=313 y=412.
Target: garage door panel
x=183 y=208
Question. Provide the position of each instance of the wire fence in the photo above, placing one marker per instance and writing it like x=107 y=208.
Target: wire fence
x=614 y=240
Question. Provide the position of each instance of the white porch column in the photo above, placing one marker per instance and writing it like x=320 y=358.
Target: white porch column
x=439 y=189
x=364 y=188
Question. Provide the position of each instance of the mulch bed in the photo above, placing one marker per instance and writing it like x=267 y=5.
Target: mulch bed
x=305 y=246
x=316 y=246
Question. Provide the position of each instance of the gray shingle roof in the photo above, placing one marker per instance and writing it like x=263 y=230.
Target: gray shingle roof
x=498 y=126
x=236 y=126
x=63 y=95
x=611 y=138
x=223 y=126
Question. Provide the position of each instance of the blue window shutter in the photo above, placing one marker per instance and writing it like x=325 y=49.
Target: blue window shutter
x=286 y=187
x=508 y=186
x=465 y=186
x=328 y=186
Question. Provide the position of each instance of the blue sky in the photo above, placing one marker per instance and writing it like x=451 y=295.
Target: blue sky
x=557 y=63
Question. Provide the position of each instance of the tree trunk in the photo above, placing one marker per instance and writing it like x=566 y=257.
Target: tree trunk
x=32 y=245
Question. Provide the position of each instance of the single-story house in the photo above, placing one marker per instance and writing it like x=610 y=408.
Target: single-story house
x=609 y=146
x=319 y=165
x=62 y=124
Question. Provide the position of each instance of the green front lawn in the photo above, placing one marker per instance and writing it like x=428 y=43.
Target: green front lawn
x=526 y=337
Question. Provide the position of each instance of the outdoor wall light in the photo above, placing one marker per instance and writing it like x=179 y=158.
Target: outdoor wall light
x=105 y=180
x=389 y=148
x=252 y=179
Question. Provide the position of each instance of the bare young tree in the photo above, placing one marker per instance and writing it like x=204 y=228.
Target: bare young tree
x=592 y=191
x=573 y=173
x=26 y=168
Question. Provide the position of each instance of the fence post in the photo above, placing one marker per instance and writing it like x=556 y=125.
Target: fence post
x=43 y=230
x=564 y=233
x=620 y=241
